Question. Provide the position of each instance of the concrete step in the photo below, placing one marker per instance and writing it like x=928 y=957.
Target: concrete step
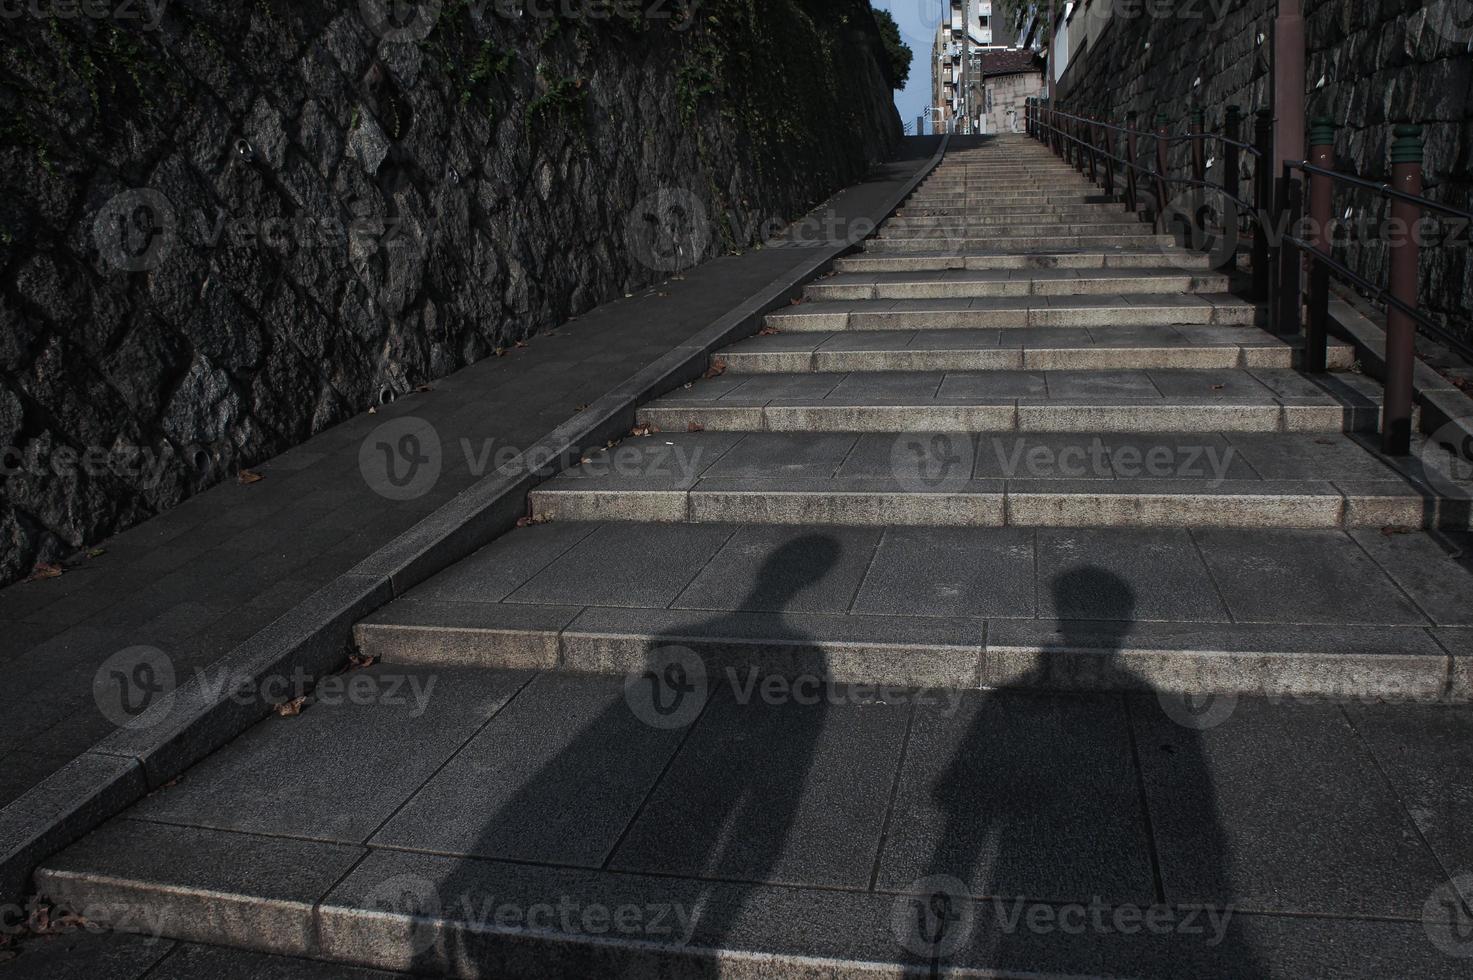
x=951 y=479
x=1236 y=400
x=1005 y=186
x=571 y=825
x=1003 y=199
x=1003 y=282
x=1099 y=225
x=1049 y=243
x=1112 y=258
x=1018 y=312
x=937 y=217
x=1228 y=609
x=1038 y=348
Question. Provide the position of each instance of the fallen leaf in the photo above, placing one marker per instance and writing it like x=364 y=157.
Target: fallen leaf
x=716 y=370
x=423 y=389
x=695 y=427
x=247 y=477
x=767 y=331
x=358 y=661
x=1218 y=387
x=43 y=571
x=644 y=429
x=1392 y=529
x=585 y=461
x=96 y=552
x=521 y=343
x=580 y=408
x=292 y=708
x=535 y=519
x=372 y=410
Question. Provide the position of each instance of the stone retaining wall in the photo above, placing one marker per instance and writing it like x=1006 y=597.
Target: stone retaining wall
x=230 y=228
x=1369 y=66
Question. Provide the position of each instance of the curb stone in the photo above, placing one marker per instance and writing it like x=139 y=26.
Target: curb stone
x=315 y=636
x=1441 y=403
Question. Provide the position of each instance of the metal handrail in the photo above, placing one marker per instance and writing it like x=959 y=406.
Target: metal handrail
x=1280 y=193
x=1232 y=142
x=1138 y=168
x=1385 y=190
x=1170 y=138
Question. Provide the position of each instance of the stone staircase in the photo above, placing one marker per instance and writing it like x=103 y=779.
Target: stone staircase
x=1020 y=456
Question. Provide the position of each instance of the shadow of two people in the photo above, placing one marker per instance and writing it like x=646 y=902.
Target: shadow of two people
x=1039 y=790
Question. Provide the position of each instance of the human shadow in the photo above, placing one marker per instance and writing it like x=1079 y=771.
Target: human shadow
x=700 y=838
x=1044 y=804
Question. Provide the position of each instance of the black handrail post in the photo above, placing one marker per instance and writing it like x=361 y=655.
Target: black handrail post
x=1321 y=153
x=1401 y=329
x=1091 y=135
x=1161 y=137
x=1130 y=197
x=1263 y=178
x=1231 y=126
x=1288 y=299
x=1199 y=156
x=1197 y=220
x=1108 y=139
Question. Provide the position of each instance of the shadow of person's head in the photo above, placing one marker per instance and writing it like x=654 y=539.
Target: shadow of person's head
x=1096 y=608
x=794 y=567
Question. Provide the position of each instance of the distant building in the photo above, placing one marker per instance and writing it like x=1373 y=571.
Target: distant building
x=1009 y=77
x=982 y=93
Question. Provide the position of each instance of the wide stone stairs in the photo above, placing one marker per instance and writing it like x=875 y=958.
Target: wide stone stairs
x=1021 y=457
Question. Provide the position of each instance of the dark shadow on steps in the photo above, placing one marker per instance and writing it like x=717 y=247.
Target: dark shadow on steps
x=757 y=807
x=1011 y=818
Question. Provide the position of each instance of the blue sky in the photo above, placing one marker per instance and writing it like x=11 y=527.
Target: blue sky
x=917 y=20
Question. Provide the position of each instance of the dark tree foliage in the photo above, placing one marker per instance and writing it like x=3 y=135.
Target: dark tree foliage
x=899 y=54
